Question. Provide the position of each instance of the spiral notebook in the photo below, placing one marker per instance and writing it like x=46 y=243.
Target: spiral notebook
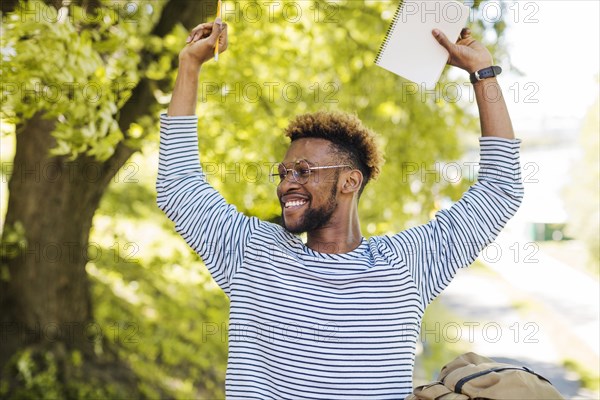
x=410 y=50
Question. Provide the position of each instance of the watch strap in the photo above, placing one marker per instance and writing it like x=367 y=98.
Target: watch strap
x=484 y=73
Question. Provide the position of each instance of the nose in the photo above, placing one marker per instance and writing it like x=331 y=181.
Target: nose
x=288 y=184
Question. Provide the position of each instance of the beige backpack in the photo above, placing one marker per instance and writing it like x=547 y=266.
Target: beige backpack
x=471 y=376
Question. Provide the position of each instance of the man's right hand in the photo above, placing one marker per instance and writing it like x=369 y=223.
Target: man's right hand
x=202 y=41
x=199 y=49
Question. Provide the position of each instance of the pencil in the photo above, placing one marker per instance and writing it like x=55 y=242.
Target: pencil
x=217 y=45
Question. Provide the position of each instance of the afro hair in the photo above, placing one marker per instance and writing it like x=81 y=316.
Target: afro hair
x=350 y=138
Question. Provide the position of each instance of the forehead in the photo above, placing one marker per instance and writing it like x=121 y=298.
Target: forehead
x=315 y=150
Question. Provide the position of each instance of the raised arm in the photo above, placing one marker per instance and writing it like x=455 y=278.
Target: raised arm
x=470 y=55
x=213 y=228
x=199 y=49
x=433 y=252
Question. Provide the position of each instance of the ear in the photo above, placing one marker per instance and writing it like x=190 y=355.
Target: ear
x=352 y=181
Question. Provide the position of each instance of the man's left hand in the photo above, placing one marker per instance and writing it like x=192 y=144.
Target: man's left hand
x=467 y=53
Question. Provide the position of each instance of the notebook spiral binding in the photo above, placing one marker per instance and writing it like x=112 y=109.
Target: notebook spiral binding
x=389 y=31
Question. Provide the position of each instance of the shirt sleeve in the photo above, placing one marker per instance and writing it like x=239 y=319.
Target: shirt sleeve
x=433 y=252
x=211 y=226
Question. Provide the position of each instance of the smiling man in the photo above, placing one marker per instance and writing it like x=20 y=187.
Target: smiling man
x=337 y=317
x=326 y=146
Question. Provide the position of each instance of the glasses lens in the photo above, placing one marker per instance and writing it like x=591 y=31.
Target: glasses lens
x=279 y=174
x=301 y=171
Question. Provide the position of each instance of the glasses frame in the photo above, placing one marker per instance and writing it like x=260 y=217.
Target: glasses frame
x=296 y=177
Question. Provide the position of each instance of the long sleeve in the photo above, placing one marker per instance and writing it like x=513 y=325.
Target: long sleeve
x=211 y=226
x=433 y=252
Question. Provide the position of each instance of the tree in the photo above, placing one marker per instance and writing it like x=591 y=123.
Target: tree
x=83 y=83
x=60 y=54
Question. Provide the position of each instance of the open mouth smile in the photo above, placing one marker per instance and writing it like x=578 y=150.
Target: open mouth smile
x=294 y=203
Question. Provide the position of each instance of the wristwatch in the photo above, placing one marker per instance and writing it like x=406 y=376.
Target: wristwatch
x=488 y=72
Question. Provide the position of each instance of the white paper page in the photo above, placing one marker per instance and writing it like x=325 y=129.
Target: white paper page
x=411 y=50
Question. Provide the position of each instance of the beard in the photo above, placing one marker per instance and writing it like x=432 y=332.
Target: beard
x=314 y=218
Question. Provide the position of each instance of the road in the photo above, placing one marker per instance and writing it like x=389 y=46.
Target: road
x=530 y=309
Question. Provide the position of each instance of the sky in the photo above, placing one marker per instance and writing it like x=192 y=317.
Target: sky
x=555 y=44
x=549 y=89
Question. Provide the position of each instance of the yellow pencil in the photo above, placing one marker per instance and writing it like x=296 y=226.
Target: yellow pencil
x=217 y=45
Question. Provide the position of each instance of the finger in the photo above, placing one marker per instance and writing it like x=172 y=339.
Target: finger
x=217 y=28
x=193 y=32
x=197 y=36
x=465 y=33
x=443 y=40
x=204 y=33
x=200 y=30
x=223 y=39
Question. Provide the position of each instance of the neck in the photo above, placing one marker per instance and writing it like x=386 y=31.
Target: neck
x=341 y=235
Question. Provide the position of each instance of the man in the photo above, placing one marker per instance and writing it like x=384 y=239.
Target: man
x=339 y=316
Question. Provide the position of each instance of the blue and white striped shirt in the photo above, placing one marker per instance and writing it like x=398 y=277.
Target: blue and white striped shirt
x=311 y=325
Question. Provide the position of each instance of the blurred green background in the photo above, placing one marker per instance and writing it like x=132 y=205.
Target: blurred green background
x=100 y=297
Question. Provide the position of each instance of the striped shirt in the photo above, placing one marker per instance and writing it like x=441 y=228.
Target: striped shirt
x=310 y=325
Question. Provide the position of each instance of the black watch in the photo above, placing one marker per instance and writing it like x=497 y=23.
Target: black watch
x=488 y=72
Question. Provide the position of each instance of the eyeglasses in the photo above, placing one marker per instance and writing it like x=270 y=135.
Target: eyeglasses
x=301 y=171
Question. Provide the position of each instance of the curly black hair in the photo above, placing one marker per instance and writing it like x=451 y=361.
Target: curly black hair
x=355 y=143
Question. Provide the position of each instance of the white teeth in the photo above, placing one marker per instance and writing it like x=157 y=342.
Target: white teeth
x=294 y=203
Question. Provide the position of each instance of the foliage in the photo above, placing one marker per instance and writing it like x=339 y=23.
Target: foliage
x=588 y=379
x=14 y=243
x=40 y=377
x=152 y=297
x=79 y=74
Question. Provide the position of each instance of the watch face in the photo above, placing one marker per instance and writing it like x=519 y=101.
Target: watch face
x=485 y=73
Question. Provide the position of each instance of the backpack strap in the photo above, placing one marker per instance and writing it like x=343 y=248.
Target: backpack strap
x=435 y=391
x=462 y=381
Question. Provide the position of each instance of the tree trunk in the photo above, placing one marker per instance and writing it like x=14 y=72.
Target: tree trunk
x=45 y=304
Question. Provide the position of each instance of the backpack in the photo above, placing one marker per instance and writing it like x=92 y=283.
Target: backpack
x=471 y=376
